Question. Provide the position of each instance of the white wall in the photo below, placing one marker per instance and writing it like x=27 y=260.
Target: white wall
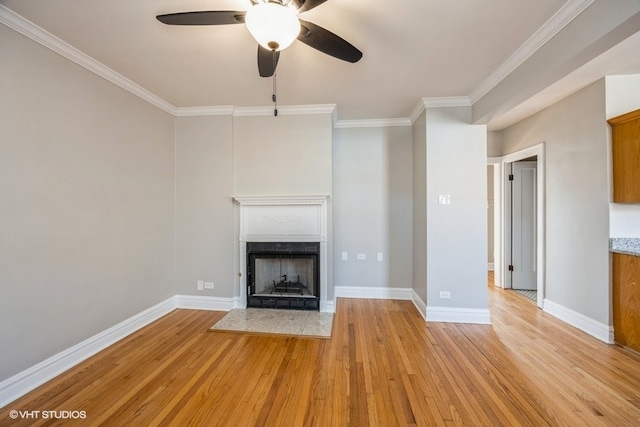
x=372 y=206
x=623 y=96
x=624 y=220
x=574 y=132
x=205 y=238
x=87 y=204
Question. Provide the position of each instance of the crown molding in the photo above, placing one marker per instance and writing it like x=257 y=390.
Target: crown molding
x=372 y=123
x=556 y=23
x=553 y=26
x=48 y=40
x=417 y=110
x=450 y=101
x=220 y=110
x=285 y=110
x=440 y=102
x=231 y=110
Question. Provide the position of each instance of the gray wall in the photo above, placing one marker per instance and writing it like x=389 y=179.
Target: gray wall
x=575 y=133
x=456 y=233
x=372 y=206
x=286 y=155
x=490 y=214
x=282 y=155
x=450 y=241
x=221 y=156
x=87 y=204
x=205 y=236
x=494 y=144
x=419 y=169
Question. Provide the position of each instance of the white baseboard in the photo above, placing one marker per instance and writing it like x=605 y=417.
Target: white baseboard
x=430 y=314
x=327 y=307
x=197 y=302
x=491 y=266
x=458 y=315
x=586 y=324
x=420 y=305
x=16 y=386
x=373 y=293
x=25 y=381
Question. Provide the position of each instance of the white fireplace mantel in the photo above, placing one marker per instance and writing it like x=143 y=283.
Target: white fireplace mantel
x=277 y=218
x=299 y=199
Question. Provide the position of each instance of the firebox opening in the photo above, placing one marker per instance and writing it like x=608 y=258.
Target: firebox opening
x=283 y=275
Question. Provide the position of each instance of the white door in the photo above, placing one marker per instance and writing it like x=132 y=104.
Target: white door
x=523 y=203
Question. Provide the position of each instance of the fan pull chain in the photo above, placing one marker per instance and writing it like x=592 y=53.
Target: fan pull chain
x=273 y=97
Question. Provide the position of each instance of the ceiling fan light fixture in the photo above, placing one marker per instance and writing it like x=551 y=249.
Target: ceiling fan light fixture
x=273 y=25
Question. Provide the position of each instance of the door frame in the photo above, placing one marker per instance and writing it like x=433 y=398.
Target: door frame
x=501 y=233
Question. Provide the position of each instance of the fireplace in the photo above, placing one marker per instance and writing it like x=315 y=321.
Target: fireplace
x=283 y=275
x=283 y=253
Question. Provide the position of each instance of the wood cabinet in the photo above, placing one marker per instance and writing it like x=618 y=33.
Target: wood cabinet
x=626 y=300
x=626 y=157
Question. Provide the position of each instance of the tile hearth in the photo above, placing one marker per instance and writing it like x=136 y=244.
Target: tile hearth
x=274 y=321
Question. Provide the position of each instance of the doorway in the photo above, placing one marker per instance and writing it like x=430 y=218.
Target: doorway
x=521 y=225
x=519 y=251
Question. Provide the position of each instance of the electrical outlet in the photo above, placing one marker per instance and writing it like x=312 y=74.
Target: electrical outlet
x=380 y=257
x=345 y=256
x=445 y=295
x=208 y=285
x=200 y=285
x=362 y=256
x=444 y=199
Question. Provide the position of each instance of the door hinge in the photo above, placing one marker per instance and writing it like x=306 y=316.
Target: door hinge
x=510 y=267
x=511 y=177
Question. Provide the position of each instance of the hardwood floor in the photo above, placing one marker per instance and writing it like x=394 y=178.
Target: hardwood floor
x=384 y=366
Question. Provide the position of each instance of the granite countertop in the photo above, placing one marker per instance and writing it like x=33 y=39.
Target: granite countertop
x=628 y=246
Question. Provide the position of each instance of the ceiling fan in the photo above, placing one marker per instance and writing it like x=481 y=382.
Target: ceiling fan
x=275 y=25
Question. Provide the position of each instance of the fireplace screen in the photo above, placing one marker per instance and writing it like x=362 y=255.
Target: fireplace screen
x=283 y=275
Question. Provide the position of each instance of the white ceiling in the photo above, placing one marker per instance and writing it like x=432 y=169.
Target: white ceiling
x=412 y=49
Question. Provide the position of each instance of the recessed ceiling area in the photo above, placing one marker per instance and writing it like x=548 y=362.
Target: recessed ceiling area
x=412 y=49
x=622 y=59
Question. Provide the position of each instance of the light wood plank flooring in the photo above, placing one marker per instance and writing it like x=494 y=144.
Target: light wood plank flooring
x=384 y=366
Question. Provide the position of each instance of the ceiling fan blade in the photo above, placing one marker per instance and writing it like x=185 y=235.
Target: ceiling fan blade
x=266 y=64
x=327 y=42
x=304 y=5
x=213 y=17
